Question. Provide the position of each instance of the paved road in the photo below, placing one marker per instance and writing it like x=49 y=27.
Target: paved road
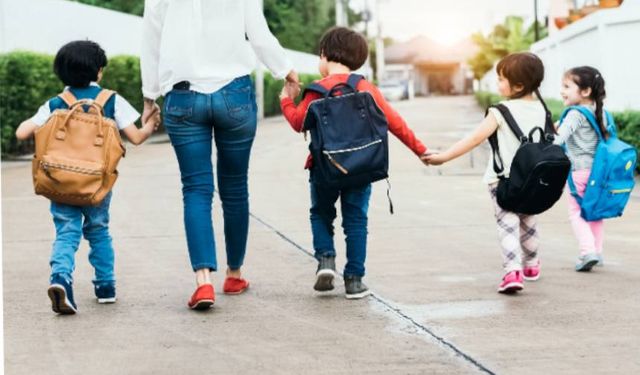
x=434 y=266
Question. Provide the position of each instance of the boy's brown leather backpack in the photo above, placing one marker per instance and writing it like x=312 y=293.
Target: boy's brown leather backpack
x=77 y=152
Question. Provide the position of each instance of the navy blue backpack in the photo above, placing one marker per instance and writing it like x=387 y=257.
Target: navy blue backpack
x=612 y=174
x=349 y=143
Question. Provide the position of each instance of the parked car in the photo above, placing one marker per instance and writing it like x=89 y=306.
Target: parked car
x=393 y=90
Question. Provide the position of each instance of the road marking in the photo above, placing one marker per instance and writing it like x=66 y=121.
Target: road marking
x=392 y=307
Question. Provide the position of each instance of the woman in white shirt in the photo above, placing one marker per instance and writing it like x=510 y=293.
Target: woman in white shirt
x=199 y=54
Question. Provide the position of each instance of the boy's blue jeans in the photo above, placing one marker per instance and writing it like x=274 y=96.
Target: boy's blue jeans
x=354 y=206
x=74 y=222
x=192 y=120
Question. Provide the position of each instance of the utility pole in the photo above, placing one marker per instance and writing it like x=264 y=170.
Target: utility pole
x=379 y=45
x=536 y=26
x=341 y=13
x=260 y=80
x=3 y=30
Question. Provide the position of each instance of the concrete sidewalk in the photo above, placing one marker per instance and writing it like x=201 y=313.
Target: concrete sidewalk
x=434 y=267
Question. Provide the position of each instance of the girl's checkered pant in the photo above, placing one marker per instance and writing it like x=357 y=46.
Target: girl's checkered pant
x=518 y=235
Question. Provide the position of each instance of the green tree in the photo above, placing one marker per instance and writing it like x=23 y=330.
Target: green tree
x=298 y=25
x=509 y=37
x=127 y=6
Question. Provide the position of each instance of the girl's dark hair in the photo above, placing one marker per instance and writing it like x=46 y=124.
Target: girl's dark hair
x=77 y=63
x=522 y=68
x=587 y=77
x=344 y=46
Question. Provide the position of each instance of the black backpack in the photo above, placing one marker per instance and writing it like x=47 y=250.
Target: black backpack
x=538 y=172
x=349 y=143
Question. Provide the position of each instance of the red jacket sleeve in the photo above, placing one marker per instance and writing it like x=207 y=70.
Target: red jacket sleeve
x=295 y=114
x=397 y=125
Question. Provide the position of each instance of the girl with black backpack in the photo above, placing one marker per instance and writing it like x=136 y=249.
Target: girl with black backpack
x=519 y=77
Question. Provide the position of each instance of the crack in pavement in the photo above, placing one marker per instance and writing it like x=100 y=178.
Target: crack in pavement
x=391 y=307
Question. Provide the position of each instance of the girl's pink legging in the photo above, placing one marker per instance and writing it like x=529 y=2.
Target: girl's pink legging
x=589 y=233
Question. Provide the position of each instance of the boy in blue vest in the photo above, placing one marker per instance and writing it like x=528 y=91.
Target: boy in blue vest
x=80 y=65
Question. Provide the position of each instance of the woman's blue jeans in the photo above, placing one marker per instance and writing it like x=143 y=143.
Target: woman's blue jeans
x=192 y=120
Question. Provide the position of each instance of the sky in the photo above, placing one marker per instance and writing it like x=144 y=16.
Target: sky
x=446 y=21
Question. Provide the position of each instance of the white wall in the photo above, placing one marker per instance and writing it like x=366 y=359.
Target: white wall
x=490 y=81
x=46 y=25
x=607 y=40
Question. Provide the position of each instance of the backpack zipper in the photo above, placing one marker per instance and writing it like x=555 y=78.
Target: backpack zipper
x=47 y=165
x=336 y=164
x=353 y=148
x=620 y=191
x=342 y=151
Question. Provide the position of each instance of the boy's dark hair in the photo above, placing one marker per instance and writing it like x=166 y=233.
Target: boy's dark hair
x=344 y=46
x=587 y=77
x=77 y=63
x=523 y=68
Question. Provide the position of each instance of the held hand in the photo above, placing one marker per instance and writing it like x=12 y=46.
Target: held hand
x=292 y=77
x=290 y=90
x=293 y=89
x=150 y=109
x=157 y=120
x=434 y=159
x=284 y=93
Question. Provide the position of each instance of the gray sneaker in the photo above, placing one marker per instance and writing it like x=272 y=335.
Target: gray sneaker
x=586 y=262
x=355 y=288
x=325 y=274
x=600 y=261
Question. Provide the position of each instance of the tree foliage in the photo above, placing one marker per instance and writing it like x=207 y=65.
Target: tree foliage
x=508 y=37
x=127 y=6
x=298 y=25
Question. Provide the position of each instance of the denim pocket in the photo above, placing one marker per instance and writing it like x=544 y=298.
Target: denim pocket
x=178 y=105
x=239 y=99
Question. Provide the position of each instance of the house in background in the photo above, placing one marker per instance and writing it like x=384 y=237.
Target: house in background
x=605 y=39
x=430 y=68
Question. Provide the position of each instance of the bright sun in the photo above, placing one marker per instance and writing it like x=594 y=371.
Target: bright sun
x=447 y=36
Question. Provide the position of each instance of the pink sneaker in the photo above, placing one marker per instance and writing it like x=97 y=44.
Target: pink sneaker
x=532 y=273
x=511 y=283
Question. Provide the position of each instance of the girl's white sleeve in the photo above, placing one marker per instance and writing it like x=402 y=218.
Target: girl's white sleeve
x=150 y=50
x=264 y=44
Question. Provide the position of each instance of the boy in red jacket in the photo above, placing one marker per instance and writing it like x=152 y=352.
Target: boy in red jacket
x=341 y=52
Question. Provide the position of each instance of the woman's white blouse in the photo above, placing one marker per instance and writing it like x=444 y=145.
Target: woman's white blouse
x=206 y=42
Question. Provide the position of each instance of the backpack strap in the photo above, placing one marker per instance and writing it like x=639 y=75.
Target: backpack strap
x=68 y=98
x=611 y=124
x=103 y=97
x=574 y=190
x=317 y=88
x=498 y=164
x=353 y=81
x=584 y=111
x=549 y=129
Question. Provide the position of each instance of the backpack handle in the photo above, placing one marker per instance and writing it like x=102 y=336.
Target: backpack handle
x=336 y=88
x=543 y=135
x=61 y=132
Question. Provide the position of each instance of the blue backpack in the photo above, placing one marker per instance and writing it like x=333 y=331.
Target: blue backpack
x=612 y=174
x=349 y=142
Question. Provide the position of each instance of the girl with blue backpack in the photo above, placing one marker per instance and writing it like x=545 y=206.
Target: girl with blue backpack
x=602 y=173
